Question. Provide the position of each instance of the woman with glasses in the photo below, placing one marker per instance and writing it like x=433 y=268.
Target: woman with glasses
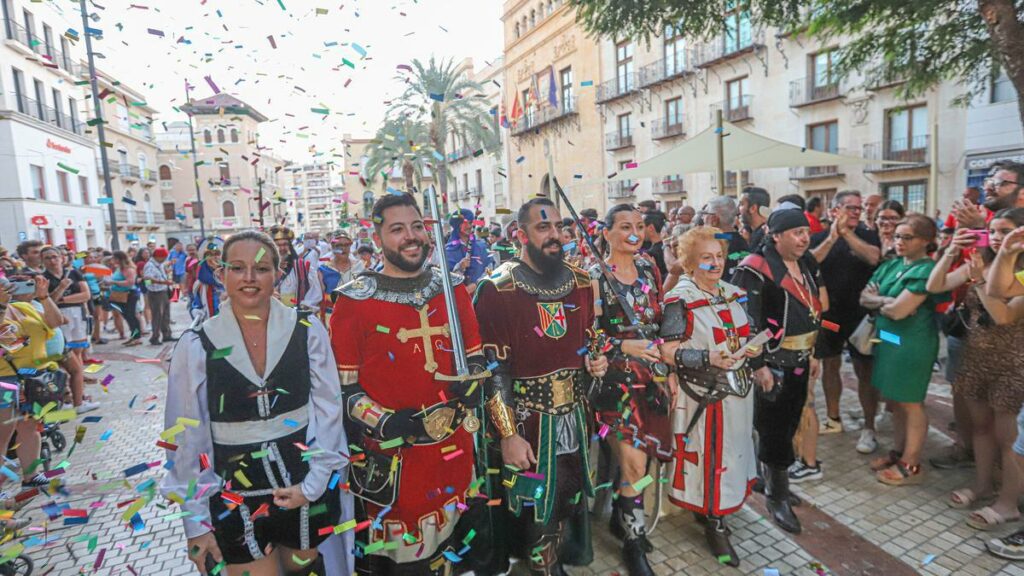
x=989 y=380
x=908 y=344
x=338 y=271
x=889 y=214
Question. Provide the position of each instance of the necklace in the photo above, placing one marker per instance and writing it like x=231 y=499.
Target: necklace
x=805 y=295
x=728 y=327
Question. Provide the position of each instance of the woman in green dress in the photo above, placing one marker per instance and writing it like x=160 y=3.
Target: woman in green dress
x=908 y=344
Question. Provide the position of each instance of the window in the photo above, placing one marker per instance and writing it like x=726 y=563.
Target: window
x=122 y=158
x=148 y=208
x=143 y=171
x=625 y=127
x=907 y=134
x=165 y=172
x=533 y=18
x=19 y=90
x=73 y=114
x=65 y=49
x=823 y=69
x=58 y=102
x=674 y=112
x=626 y=186
x=675 y=51
x=824 y=137
x=30 y=29
x=48 y=40
x=528 y=107
x=1002 y=89
x=518 y=32
x=38 y=182
x=737 y=99
x=129 y=206
x=62 y=186
x=40 y=100
x=624 y=67
x=220 y=135
x=83 y=188
x=465 y=183
x=225 y=172
x=910 y=194
x=234 y=135
x=169 y=211
x=479 y=182
x=207 y=138
x=567 y=90
x=737 y=26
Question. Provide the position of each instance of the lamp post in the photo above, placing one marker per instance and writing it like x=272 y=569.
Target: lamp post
x=195 y=167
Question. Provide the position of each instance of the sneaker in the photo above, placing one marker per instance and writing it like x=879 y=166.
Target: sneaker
x=35 y=481
x=956 y=459
x=1011 y=547
x=87 y=406
x=867 y=443
x=851 y=423
x=801 y=472
x=831 y=426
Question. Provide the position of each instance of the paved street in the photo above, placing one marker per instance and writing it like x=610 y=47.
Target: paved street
x=853 y=524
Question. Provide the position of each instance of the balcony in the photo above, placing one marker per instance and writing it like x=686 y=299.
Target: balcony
x=458 y=154
x=805 y=91
x=135 y=219
x=737 y=109
x=799 y=173
x=912 y=151
x=225 y=184
x=147 y=177
x=663 y=70
x=675 y=186
x=129 y=173
x=536 y=119
x=51 y=57
x=618 y=141
x=720 y=49
x=623 y=189
x=229 y=223
x=44 y=113
x=616 y=88
x=669 y=127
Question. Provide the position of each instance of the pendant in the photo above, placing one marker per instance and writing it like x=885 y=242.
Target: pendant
x=470 y=423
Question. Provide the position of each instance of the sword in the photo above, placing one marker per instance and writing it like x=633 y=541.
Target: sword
x=470 y=422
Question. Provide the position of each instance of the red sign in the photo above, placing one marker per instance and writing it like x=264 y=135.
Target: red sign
x=58 y=147
x=39 y=220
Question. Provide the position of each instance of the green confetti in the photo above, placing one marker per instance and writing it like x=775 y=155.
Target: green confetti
x=258 y=454
x=281 y=4
x=346 y=62
x=221 y=404
x=67 y=168
x=393 y=443
x=383 y=329
x=323 y=111
x=317 y=510
x=221 y=353
x=220 y=566
x=642 y=483
x=259 y=255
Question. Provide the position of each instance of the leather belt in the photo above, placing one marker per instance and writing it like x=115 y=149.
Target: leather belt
x=799 y=342
x=555 y=393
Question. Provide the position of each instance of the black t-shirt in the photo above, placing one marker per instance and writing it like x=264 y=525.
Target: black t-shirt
x=845 y=276
x=657 y=251
x=75 y=276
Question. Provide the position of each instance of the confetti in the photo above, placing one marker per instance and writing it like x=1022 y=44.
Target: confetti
x=889 y=337
x=221 y=353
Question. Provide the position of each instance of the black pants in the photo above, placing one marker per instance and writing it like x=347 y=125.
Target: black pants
x=128 y=311
x=778 y=419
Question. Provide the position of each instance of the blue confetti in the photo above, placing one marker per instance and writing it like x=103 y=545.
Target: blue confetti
x=889 y=337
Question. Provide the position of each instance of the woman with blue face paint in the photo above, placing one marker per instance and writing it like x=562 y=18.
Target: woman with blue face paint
x=633 y=402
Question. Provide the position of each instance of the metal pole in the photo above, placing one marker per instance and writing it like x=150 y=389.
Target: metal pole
x=720 y=174
x=454 y=328
x=115 y=243
x=551 y=174
x=933 y=171
x=259 y=185
x=195 y=168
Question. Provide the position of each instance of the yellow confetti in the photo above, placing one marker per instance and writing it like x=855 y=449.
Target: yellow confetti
x=344 y=526
x=240 y=476
x=93 y=368
x=251 y=317
x=60 y=416
x=169 y=434
x=190 y=422
x=1020 y=276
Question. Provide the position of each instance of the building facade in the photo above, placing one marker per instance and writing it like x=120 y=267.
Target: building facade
x=132 y=161
x=47 y=151
x=480 y=176
x=993 y=131
x=316 y=190
x=552 y=69
x=356 y=195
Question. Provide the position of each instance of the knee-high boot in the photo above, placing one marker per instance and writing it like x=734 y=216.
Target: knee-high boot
x=717 y=534
x=634 y=527
x=778 y=501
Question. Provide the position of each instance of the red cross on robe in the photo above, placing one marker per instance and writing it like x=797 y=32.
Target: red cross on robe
x=682 y=457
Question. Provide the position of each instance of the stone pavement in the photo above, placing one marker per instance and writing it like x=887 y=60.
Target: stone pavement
x=853 y=524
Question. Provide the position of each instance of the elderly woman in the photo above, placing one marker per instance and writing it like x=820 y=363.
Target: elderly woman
x=705 y=332
x=909 y=344
x=633 y=402
x=252 y=393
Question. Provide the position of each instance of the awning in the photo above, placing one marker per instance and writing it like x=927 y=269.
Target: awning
x=743 y=150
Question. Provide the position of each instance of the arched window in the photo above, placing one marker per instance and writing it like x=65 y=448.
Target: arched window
x=551 y=6
x=533 y=18
x=129 y=209
x=165 y=172
x=227 y=209
x=149 y=209
x=234 y=135
x=207 y=137
x=143 y=166
x=220 y=135
x=518 y=32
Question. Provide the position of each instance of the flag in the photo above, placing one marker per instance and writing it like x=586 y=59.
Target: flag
x=516 y=110
x=534 y=92
x=552 y=89
x=502 y=118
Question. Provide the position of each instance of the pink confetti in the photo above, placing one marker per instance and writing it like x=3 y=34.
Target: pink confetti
x=453 y=455
x=537 y=330
x=213 y=86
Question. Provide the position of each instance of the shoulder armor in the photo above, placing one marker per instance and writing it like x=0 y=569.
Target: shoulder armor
x=502 y=276
x=581 y=275
x=596 y=271
x=360 y=288
x=758 y=265
x=455 y=277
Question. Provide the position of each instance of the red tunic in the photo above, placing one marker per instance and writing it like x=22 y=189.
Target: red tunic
x=365 y=334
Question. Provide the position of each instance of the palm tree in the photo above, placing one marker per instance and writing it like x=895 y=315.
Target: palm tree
x=400 y=143
x=441 y=95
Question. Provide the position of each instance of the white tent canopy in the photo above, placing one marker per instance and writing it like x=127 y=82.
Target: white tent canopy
x=744 y=150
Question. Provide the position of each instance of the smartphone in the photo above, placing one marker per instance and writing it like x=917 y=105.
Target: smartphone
x=22 y=287
x=982 y=241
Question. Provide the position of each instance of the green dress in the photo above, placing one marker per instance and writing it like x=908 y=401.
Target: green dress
x=903 y=370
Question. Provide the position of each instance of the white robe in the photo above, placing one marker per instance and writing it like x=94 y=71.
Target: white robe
x=721 y=444
x=288 y=287
x=186 y=398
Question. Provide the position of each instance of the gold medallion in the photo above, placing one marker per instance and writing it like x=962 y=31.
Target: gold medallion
x=437 y=422
x=470 y=423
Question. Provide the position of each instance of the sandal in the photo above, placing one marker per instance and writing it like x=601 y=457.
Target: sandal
x=965 y=498
x=987 y=518
x=901 y=474
x=883 y=462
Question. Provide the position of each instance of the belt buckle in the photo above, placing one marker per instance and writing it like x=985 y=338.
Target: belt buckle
x=562 y=391
x=438 y=422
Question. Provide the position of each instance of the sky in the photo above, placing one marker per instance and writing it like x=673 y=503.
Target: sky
x=287 y=57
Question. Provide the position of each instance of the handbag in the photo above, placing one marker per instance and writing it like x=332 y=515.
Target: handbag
x=376 y=478
x=863 y=338
x=954 y=321
x=119 y=296
x=42 y=386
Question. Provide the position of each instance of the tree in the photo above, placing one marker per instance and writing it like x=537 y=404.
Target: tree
x=400 y=143
x=918 y=42
x=441 y=95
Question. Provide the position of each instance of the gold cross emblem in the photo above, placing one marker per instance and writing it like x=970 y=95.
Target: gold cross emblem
x=424 y=332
